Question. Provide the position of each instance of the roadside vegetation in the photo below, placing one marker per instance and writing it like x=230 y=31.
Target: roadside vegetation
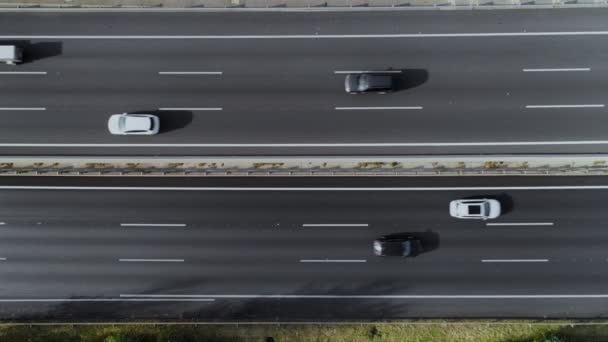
x=426 y=332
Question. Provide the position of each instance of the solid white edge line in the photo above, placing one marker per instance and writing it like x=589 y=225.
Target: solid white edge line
x=19 y=300
x=23 y=72
x=153 y=225
x=556 y=70
x=567 y=106
x=332 y=260
x=151 y=260
x=272 y=145
x=190 y=72
x=368 y=71
x=192 y=108
x=2 y=259
x=133 y=188
x=521 y=224
x=335 y=225
x=377 y=108
x=282 y=296
x=318 y=36
x=22 y=108
x=514 y=260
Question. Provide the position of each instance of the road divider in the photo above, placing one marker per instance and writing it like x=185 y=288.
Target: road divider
x=86 y=300
x=192 y=108
x=23 y=72
x=566 y=106
x=556 y=70
x=368 y=72
x=287 y=5
x=181 y=225
x=513 y=260
x=378 y=108
x=308 y=225
x=190 y=73
x=376 y=296
x=22 y=108
x=463 y=165
x=333 y=260
x=490 y=224
x=151 y=260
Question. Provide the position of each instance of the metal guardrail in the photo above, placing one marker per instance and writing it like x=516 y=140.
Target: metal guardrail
x=302 y=172
x=301 y=4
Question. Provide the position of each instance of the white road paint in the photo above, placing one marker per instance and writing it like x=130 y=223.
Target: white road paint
x=190 y=73
x=430 y=296
x=192 y=108
x=514 y=260
x=160 y=188
x=54 y=300
x=378 y=108
x=22 y=108
x=368 y=71
x=335 y=225
x=2 y=223
x=556 y=70
x=23 y=72
x=153 y=225
x=318 y=36
x=567 y=106
x=521 y=224
x=332 y=260
x=151 y=260
x=2 y=259
x=329 y=145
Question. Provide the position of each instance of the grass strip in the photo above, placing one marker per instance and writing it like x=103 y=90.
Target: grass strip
x=377 y=332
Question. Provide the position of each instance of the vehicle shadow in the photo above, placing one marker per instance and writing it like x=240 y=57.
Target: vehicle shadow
x=410 y=78
x=36 y=51
x=170 y=120
x=42 y=50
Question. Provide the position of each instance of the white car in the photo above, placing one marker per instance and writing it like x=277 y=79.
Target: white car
x=483 y=209
x=133 y=124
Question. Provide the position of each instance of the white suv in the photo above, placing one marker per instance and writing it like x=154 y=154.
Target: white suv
x=133 y=124
x=483 y=209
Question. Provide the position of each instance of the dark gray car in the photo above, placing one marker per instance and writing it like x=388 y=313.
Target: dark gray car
x=402 y=246
x=368 y=83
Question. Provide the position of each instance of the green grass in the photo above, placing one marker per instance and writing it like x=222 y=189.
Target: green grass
x=428 y=332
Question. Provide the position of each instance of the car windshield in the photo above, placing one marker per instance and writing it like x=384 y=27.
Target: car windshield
x=407 y=248
x=363 y=82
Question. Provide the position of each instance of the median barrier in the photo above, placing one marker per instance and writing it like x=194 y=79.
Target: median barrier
x=297 y=5
x=496 y=165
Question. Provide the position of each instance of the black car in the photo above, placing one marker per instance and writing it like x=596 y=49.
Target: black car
x=407 y=246
x=366 y=83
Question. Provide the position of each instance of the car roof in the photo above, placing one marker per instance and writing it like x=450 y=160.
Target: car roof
x=137 y=123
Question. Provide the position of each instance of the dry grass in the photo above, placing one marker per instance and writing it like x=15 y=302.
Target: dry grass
x=428 y=332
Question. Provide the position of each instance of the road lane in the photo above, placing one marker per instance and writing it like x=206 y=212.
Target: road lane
x=62 y=244
x=278 y=96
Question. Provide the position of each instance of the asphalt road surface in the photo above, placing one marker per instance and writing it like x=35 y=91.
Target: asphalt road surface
x=300 y=249
x=530 y=81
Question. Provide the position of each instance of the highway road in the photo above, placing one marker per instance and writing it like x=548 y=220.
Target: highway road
x=528 y=81
x=299 y=249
